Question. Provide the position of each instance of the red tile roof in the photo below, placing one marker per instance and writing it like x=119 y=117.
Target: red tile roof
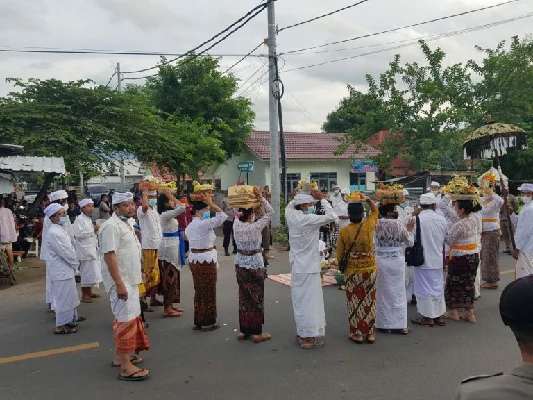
x=308 y=145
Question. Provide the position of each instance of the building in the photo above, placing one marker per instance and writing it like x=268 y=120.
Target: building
x=310 y=156
x=398 y=166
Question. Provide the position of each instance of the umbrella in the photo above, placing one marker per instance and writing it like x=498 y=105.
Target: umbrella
x=492 y=141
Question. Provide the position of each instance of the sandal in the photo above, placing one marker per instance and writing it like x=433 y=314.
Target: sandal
x=178 y=309
x=65 y=330
x=133 y=359
x=262 y=338
x=371 y=339
x=449 y=316
x=421 y=322
x=352 y=336
x=87 y=300
x=467 y=319
x=175 y=314
x=211 y=328
x=133 y=378
x=315 y=344
x=81 y=319
x=405 y=331
x=242 y=336
x=439 y=321
x=96 y=296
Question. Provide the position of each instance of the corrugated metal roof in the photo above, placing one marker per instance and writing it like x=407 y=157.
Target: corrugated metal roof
x=33 y=164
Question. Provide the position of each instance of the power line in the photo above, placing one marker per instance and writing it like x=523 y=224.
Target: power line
x=403 y=27
x=242 y=59
x=322 y=16
x=415 y=41
x=112 y=76
x=302 y=109
x=246 y=18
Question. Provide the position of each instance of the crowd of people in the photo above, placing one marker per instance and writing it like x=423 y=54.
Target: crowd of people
x=137 y=253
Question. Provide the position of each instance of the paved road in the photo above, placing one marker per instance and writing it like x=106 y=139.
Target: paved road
x=427 y=364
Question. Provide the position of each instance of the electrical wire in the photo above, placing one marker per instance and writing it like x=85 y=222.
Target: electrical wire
x=404 y=27
x=112 y=76
x=416 y=41
x=302 y=109
x=322 y=16
x=246 y=18
x=112 y=52
x=242 y=59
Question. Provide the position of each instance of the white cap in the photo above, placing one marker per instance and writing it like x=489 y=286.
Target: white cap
x=405 y=192
x=122 y=197
x=345 y=191
x=301 y=198
x=84 y=202
x=58 y=195
x=435 y=184
x=52 y=209
x=526 y=187
x=427 y=199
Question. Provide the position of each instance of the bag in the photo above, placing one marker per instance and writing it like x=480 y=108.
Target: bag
x=343 y=263
x=414 y=256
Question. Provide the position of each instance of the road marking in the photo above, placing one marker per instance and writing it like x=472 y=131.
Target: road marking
x=46 y=353
x=509 y=271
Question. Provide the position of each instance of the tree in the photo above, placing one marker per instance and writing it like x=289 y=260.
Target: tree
x=357 y=111
x=195 y=90
x=87 y=126
x=426 y=105
x=504 y=90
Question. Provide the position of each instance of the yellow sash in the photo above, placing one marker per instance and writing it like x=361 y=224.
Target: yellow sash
x=472 y=246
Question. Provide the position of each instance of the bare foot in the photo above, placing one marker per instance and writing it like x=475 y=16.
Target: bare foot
x=262 y=337
x=451 y=315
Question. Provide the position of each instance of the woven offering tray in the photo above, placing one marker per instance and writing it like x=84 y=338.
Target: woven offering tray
x=242 y=197
x=385 y=196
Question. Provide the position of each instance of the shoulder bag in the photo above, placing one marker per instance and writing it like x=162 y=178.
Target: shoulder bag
x=414 y=256
x=343 y=263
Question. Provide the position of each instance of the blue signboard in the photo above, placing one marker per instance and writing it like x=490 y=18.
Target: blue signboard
x=364 y=166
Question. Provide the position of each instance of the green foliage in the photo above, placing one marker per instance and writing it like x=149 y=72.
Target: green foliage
x=195 y=90
x=280 y=235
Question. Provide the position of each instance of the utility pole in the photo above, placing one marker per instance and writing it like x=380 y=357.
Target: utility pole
x=119 y=78
x=273 y=115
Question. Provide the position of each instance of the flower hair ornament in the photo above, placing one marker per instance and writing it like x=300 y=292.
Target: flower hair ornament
x=239 y=214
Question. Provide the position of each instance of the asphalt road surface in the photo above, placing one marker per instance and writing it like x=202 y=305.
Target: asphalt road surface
x=427 y=364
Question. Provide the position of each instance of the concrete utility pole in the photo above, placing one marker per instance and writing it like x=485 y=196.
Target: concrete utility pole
x=119 y=78
x=273 y=116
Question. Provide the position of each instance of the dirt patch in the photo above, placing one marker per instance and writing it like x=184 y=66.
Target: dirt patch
x=30 y=270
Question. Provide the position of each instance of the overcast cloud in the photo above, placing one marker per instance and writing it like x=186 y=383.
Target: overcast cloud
x=178 y=26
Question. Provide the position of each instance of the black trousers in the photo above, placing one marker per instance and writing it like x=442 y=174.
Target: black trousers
x=227 y=230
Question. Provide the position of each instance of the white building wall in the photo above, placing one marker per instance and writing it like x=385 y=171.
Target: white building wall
x=229 y=173
x=6 y=184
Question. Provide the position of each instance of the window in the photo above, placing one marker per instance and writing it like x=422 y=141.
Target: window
x=357 y=181
x=292 y=182
x=325 y=180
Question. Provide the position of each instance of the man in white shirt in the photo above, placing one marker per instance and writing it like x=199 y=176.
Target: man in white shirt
x=304 y=258
x=62 y=265
x=8 y=234
x=405 y=213
x=151 y=236
x=87 y=251
x=524 y=234
x=429 y=277
x=121 y=272
x=341 y=209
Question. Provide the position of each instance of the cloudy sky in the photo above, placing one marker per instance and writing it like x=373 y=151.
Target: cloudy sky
x=177 y=26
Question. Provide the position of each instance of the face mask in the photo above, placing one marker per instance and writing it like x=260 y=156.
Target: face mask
x=152 y=202
x=311 y=210
x=404 y=204
x=336 y=192
x=123 y=217
x=206 y=215
x=435 y=191
x=526 y=200
x=63 y=220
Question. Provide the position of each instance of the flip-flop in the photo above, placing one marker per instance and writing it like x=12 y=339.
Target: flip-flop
x=88 y=301
x=420 y=322
x=196 y=328
x=172 y=315
x=352 y=338
x=315 y=344
x=242 y=336
x=445 y=316
x=439 y=323
x=463 y=318
x=178 y=309
x=213 y=327
x=81 y=319
x=96 y=296
x=135 y=360
x=133 y=378
x=65 y=330
x=262 y=338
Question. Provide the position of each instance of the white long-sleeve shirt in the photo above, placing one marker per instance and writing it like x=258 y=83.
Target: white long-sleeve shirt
x=62 y=262
x=201 y=236
x=524 y=230
x=86 y=240
x=432 y=232
x=491 y=213
x=304 y=256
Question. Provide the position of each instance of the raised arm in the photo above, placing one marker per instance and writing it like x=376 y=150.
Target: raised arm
x=269 y=212
x=445 y=205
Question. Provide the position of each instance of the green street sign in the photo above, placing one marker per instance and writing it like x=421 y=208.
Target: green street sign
x=246 y=166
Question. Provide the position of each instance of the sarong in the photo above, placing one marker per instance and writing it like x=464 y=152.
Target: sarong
x=91 y=273
x=251 y=299
x=169 y=286
x=524 y=265
x=429 y=292
x=361 y=296
x=150 y=269
x=391 y=307
x=490 y=256
x=460 y=290
x=130 y=337
x=204 y=276
x=65 y=301
x=308 y=305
